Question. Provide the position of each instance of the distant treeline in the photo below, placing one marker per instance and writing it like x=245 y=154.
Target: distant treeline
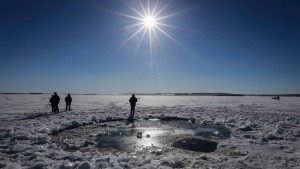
x=218 y=94
x=271 y=95
x=207 y=94
x=22 y=93
x=190 y=94
x=184 y=94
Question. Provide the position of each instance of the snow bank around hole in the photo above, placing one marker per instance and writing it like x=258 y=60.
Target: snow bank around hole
x=260 y=126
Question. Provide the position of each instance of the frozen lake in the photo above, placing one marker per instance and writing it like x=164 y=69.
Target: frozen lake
x=265 y=133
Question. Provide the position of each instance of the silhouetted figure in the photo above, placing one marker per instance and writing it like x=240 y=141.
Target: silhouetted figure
x=132 y=101
x=68 y=100
x=56 y=102
x=276 y=98
x=52 y=103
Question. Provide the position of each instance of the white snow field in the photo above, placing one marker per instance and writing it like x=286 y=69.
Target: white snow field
x=265 y=133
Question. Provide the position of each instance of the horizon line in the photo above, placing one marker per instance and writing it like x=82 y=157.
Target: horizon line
x=164 y=93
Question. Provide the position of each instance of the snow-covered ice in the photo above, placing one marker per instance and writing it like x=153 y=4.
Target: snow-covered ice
x=265 y=133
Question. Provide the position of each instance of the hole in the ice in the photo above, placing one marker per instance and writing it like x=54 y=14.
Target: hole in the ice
x=152 y=133
x=195 y=144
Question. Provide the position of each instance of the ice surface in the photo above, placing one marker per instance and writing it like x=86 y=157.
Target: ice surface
x=265 y=132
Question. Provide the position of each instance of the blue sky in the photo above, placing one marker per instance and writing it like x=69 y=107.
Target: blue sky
x=249 y=46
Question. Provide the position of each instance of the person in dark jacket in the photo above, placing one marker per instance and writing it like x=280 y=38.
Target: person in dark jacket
x=56 y=102
x=68 y=100
x=52 y=103
x=132 y=101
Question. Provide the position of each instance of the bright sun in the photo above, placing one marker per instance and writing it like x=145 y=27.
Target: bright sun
x=149 y=21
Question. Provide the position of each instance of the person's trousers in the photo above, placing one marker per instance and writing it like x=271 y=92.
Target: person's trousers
x=132 y=110
x=56 y=109
x=68 y=105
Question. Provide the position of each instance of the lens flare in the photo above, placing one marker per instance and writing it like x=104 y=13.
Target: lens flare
x=149 y=22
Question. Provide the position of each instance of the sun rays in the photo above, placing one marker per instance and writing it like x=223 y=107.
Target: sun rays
x=149 y=22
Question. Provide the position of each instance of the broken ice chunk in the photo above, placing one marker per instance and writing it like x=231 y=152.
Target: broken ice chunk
x=139 y=134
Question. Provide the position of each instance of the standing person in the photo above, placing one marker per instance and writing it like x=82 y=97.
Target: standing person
x=132 y=101
x=56 y=102
x=68 y=100
x=52 y=103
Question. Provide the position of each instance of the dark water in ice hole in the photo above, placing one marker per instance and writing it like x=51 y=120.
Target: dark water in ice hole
x=121 y=136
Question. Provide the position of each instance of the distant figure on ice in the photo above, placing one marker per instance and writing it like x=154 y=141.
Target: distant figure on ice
x=52 y=103
x=276 y=98
x=68 y=100
x=56 y=102
x=132 y=101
